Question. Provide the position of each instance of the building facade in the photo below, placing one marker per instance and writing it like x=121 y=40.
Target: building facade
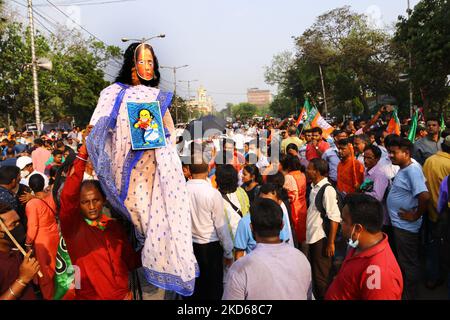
x=203 y=102
x=259 y=98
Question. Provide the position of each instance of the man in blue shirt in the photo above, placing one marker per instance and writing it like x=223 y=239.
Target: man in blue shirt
x=332 y=156
x=406 y=203
x=244 y=240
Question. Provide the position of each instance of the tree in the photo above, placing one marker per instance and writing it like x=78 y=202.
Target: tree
x=282 y=106
x=426 y=35
x=244 y=111
x=71 y=89
x=358 y=63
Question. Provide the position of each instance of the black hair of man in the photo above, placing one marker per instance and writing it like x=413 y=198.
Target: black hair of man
x=39 y=142
x=364 y=137
x=197 y=165
x=59 y=144
x=366 y=211
x=403 y=143
x=36 y=183
x=277 y=179
x=344 y=142
x=433 y=118
x=8 y=174
x=291 y=146
x=57 y=152
x=227 y=178
x=266 y=217
x=389 y=138
x=316 y=129
x=321 y=166
x=375 y=150
x=4 y=208
x=292 y=131
x=269 y=188
x=10 y=153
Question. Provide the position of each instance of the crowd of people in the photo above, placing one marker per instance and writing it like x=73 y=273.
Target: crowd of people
x=289 y=216
x=367 y=208
x=266 y=210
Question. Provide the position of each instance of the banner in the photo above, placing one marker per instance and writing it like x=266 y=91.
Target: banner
x=315 y=119
x=304 y=113
x=65 y=273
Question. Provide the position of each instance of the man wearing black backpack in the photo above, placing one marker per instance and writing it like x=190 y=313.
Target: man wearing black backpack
x=322 y=224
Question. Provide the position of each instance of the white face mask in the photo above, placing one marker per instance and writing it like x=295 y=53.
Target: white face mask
x=24 y=174
x=351 y=243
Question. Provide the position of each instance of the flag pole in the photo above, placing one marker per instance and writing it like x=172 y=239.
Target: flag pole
x=16 y=243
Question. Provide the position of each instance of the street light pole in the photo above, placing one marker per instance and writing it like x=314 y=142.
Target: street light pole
x=174 y=69
x=189 y=91
x=323 y=89
x=144 y=39
x=34 y=68
x=410 y=69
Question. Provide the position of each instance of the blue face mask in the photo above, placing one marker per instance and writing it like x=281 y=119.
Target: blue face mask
x=351 y=243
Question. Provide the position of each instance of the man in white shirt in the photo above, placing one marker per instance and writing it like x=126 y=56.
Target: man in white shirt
x=25 y=165
x=321 y=242
x=212 y=242
x=74 y=135
x=273 y=270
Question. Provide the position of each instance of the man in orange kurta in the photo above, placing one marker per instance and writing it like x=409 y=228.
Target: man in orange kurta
x=350 y=172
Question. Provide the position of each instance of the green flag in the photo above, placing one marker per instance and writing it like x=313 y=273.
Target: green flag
x=442 y=123
x=64 y=273
x=413 y=128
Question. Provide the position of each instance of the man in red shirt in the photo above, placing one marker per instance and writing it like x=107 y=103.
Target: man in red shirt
x=350 y=172
x=370 y=270
x=317 y=146
x=97 y=245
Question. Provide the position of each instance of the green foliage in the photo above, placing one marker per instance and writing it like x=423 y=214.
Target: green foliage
x=357 y=62
x=283 y=106
x=243 y=111
x=71 y=89
x=185 y=113
x=224 y=113
x=427 y=36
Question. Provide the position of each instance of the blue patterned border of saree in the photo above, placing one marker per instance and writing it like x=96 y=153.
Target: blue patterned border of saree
x=96 y=142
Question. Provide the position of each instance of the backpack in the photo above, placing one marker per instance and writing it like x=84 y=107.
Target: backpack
x=323 y=213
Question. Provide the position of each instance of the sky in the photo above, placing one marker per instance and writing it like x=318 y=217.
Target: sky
x=226 y=44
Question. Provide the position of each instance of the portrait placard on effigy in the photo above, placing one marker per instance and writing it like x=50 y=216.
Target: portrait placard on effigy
x=146 y=125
